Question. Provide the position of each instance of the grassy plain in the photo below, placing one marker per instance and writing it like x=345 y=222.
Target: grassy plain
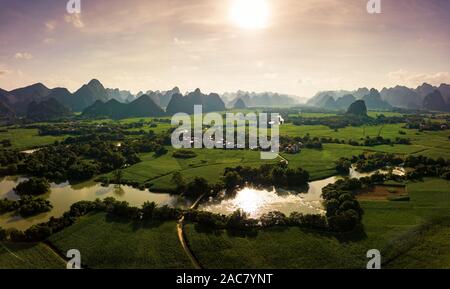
x=28 y=256
x=208 y=163
x=23 y=138
x=114 y=243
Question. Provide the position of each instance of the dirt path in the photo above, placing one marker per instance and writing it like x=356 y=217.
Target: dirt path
x=283 y=158
x=182 y=237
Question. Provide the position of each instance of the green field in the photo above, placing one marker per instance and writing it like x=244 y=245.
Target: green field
x=23 y=138
x=384 y=223
x=209 y=163
x=106 y=243
x=28 y=256
x=428 y=143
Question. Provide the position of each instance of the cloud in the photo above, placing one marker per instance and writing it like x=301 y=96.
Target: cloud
x=4 y=72
x=48 y=41
x=405 y=77
x=179 y=42
x=74 y=19
x=23 y=55
x=50 y=25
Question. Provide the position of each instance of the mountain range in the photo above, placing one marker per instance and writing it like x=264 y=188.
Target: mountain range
x=264 y=99
x=46 y=110
x=180 y=103
x=424 y=96
x=96 y=100
x=143 y=106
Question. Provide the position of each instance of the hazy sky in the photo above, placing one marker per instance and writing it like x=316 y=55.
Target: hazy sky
x=289 y=46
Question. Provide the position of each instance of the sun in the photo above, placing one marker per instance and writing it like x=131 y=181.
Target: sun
x=250 y=14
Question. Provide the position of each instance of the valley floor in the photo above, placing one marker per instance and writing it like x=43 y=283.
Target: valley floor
x=408 y=234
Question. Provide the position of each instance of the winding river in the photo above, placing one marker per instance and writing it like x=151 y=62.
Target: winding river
x=253 y=201
x=257 y=202
x=63 y=195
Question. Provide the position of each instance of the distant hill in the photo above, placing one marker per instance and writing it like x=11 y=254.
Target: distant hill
x=321 y=98
x=180 y=103
x=402 y=96
x=341 y=99
x=144 y=106
x=6 y=112
x=119 y=95
x=398 y=96
x=163 y=98
x=444 y=89
x=87 y=95
x=341 y=103
x=358 y=108
x=423 y=90
x=47 y=110
x=3 y=93
x=240 y=104
x=435 y=101
x=62 y=95
x=264 y=99
x=19 y=99
x=345 y=101
x=373 y=101
x=329 y=102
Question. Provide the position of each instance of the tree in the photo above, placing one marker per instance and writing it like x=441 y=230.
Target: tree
x=148 y=209
x=33 y=186
x=197 y=187
x=118 y=174
x=231 y=180
x=30 y=206
x=178 y=180
x=2 y=234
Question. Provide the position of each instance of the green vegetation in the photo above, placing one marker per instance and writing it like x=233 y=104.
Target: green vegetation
x=112 y=243
x=210 y=164
x=33 y=187
x=384 y=223
x=29 y=256
x=137 y=151
x=23 y=139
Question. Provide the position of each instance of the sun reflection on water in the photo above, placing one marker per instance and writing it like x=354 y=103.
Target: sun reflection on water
x=257 y=202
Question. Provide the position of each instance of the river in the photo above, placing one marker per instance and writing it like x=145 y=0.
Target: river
x=257 y=202
x=253 y=201
x=63 y=195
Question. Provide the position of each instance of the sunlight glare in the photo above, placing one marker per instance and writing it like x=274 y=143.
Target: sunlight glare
x=250 y=14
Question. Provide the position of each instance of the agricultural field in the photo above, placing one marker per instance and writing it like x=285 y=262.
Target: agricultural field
x=23 y=138
x=407 y=223
x=428 y=143
x=114 y=243
x=29 y=256
x=208 y=163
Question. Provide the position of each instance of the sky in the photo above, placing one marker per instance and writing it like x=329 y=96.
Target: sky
x=286 y=46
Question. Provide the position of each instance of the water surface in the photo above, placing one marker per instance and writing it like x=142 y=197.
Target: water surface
x=63 y=195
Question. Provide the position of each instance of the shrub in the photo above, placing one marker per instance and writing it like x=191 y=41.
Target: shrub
x=33 y=187
x=2 y=234
x=8 y=206
x=29 y=206
x=184 y=154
